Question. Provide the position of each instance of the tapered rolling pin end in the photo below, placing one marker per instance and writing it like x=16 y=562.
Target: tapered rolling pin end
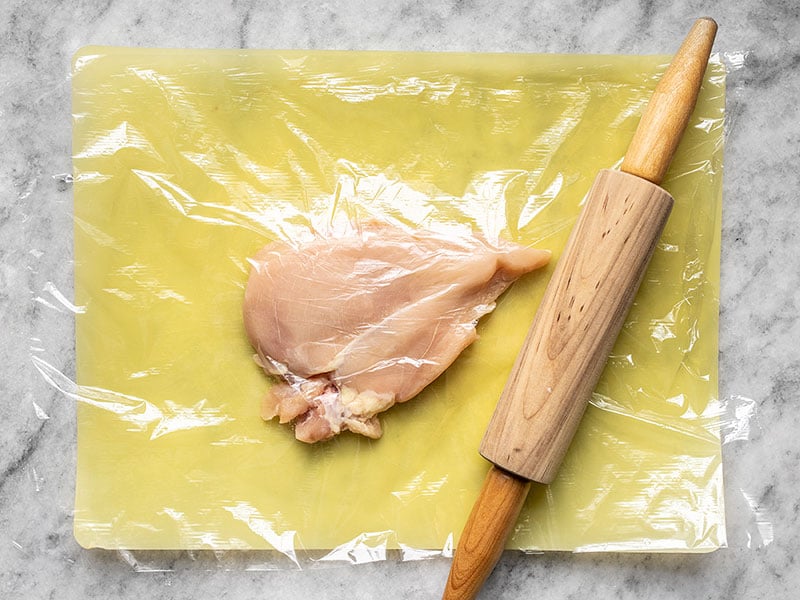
x=492 y=519
x=667 y=114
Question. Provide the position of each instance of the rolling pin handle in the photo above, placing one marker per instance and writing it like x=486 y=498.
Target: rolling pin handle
x=665 y=118
x=491 y=521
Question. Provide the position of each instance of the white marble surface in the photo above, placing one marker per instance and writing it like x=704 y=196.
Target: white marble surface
x=759 y=329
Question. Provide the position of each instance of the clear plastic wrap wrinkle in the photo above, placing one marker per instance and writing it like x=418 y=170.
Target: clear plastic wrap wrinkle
x=187 y=163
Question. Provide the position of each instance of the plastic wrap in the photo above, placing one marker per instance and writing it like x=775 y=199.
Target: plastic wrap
x=186 y=163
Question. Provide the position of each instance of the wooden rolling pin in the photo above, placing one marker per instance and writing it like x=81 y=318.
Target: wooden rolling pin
x=577 y=323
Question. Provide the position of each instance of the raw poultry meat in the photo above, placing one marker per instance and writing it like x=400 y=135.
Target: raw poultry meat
x=355 y=323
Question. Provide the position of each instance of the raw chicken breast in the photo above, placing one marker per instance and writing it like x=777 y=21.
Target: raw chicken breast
x=353 y=324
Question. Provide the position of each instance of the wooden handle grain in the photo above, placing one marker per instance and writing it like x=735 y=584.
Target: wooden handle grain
x=580 y=316
x=492 y=518
x=665 y=118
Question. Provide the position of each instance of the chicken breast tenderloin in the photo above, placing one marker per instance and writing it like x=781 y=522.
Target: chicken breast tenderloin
x=354 y=324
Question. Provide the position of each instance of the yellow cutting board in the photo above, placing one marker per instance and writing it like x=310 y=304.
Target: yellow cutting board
x=188 y=161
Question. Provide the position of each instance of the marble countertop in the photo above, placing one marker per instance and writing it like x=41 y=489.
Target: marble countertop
x=759 y=328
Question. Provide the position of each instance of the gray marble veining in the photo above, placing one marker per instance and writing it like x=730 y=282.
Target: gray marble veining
x=760 y=297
